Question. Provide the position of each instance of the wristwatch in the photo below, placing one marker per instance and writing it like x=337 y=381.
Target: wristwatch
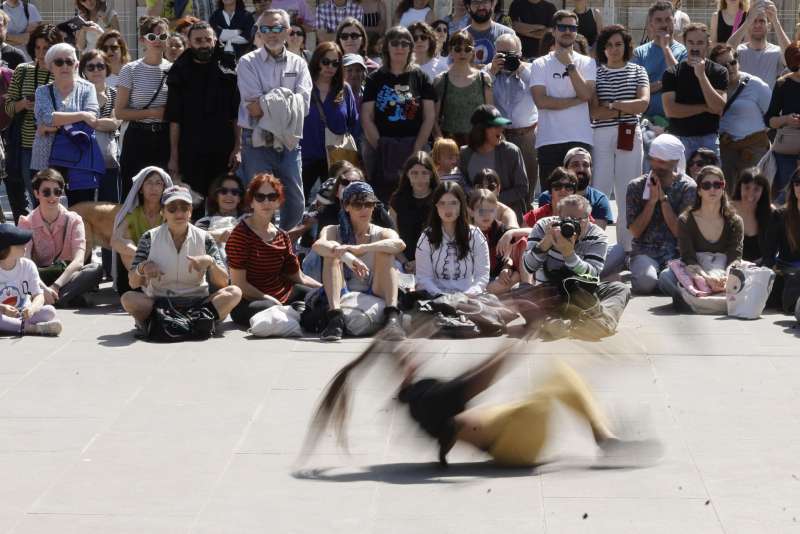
x=570 y=67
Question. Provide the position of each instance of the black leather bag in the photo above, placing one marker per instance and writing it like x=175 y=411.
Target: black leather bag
x=169 y=324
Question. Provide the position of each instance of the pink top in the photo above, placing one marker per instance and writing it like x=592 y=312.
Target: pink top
x=44 y=248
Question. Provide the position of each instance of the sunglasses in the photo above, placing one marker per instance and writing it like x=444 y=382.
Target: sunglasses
x=229 y=191
x=706 y=186
x=465 y=49
x=47 y=193
x=358 y=205
x=400 y=43
x=420 y=37
x=113 y=48
x=297 y=34
x=60 y=62
x=261 y=197
x=179 y=206
x=348 y=36
x=271 y=29
x=558 y=186
x=325 y=62
x=567 y=28
x=91 y=67
x=153 y=37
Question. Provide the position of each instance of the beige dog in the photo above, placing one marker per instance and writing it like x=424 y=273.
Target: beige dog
x=98 y=219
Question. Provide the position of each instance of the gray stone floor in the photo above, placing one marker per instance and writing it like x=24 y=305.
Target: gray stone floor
x=101 y=433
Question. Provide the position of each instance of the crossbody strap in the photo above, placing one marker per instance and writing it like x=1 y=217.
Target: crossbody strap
x=158 y=91
x=735 y=95
x=444 y=97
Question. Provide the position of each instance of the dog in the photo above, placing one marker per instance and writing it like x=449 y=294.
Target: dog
x=98 y=220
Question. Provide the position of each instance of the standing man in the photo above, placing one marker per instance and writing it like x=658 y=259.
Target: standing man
x=271 y=78
x=483 y=29
x=330 y=13
x=10 y=55
x=694 y=94
x=562 y=85
x=658 y=54
x=202 y=107
x=759 y=57
x=531 y=19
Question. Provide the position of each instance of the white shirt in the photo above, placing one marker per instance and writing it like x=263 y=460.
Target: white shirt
x=17 y=284
x=438 y=270
x=513 y=98
x=413 y=15
x=435 y=67
x=565 y=125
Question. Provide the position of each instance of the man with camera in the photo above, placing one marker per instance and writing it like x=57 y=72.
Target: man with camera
x=511 y=78
x=566 y=254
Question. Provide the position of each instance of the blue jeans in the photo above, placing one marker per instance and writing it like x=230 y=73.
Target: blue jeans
x=286 y=165
x=668 y=283
x=646 y=271
x=692 y=143
x=786 y=166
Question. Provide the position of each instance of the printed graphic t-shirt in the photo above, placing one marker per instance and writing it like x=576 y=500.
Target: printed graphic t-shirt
x=398 y=101
x=18 y=284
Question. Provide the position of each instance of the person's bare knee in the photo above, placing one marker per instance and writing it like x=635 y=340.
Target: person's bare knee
x=225 y=300
x=137 y=304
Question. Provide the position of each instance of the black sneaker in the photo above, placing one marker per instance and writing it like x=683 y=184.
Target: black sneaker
x=393 y=325
x=334 y=330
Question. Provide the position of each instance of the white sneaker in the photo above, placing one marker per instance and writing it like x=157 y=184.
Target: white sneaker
x=46 y=328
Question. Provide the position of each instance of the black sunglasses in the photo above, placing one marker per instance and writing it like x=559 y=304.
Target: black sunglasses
x=325 y=62
x=261 y=197
x=465 y=49
x=91 y=67
x=296 y=33
x=420 y=37
x=348 y=36
x=60 y=62
x=706 y=186
x=400 y=43
x=229 y=191
x=47 y=193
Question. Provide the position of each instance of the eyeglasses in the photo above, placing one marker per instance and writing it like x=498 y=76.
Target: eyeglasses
x=348 y=36
x=400 y=43
x=572 y=28
x=490 y=187
x=113 y=48
x=420 y=37
x=271 y=29
x=179 y=206
x=706 y=186
x=47 y=193
x=229 y=191
x=463 y=49
x=60 y=62
x=261 y=197
x=153 y=37
x=91 y=67
x=325 y=62
x=358 y=205
x=297 y=34
x=558 y=186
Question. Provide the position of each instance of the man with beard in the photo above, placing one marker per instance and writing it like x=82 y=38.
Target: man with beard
x=659 y=54
x=653 y=203
x=562 y=85
x=694 y=93
x=758 y=56
x=483 y=29
x=202 y=106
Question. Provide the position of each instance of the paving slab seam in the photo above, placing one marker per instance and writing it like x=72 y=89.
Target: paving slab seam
x=34 y=368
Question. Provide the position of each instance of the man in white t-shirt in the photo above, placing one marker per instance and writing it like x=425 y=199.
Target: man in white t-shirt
x=562 y=85
x=758 y=56
x=24 y=19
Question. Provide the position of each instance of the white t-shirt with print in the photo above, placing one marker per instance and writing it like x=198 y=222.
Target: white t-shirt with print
x=565 y=125
x=19 y=284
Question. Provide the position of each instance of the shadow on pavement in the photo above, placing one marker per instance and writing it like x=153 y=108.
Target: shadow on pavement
x=417 y=473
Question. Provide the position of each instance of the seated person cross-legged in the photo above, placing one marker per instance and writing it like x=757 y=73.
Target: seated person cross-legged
x=568 y=246
x=173 y=261
x=224 y=206
x=489 y=179
x=782 y=250
x=359 y=256
x=261 y=257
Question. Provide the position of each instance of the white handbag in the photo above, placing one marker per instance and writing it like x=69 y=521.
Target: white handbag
x=747 y=289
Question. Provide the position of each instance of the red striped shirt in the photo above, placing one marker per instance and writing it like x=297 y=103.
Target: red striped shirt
x=267 y=265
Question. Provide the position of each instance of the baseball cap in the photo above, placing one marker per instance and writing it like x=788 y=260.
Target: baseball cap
x=175 y=193
x=488 y=116
x=353 y=59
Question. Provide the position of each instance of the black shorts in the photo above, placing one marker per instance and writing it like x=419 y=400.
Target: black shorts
x=433 y=404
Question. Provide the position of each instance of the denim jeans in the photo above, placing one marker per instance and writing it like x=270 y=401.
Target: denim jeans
x=786 y=166
x=692 y=143
x=646 y=270
x=286 y=165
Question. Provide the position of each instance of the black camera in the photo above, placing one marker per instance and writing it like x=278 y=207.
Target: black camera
x=569 y=227
x=511 y=61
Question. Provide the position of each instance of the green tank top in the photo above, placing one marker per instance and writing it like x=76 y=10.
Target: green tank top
x=458 y=103
x=137 y=223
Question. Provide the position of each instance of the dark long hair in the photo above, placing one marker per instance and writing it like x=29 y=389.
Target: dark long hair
x=350 y=21
x=404 y=192
x=314 y=67
x=791 y=218
x=435 y=231
x=724 y=206
x=100 y=7
x=212 y=206
x=763 y=207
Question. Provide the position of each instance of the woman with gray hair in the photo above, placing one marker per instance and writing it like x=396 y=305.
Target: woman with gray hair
x=67 y=100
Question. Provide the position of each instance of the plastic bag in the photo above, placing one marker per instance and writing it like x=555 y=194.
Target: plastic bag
x=747 y=290
x=277 y=321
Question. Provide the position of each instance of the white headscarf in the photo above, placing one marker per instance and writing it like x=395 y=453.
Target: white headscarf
x=132 y=201
x=666 y=147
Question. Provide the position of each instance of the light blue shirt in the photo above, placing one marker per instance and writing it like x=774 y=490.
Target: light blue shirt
x=651 y=57
x=745 y=116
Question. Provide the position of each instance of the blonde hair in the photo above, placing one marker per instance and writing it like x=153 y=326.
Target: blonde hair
x=442 y=147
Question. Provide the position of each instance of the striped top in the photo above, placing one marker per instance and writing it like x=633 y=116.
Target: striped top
x=27 y=77
x=619 y=84
x=143 y=81
x=267 y=265
x=111 y=100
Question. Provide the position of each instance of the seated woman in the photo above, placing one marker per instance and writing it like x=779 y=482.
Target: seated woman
x=140 y=212
x=782 y=250
x=22 y=307
x=700 y=158
x=710 y=225
x=224 y=206
x=452 y=256
x=261 y=257
x=58 y=247
x=505 y=271
x=410 y=205
x=174 y=260
x=445 y=154
x=358 y=255
x=751 y=203
x=488 y=179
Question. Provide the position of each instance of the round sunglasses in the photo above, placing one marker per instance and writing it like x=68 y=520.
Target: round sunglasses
x=152 y=37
